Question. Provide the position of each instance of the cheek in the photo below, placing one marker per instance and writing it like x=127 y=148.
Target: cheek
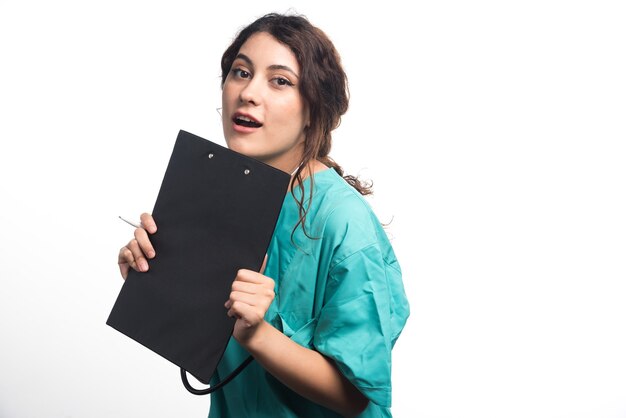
x=227 y=92
x=224 y=110
x=230 y=90
x=290 y=112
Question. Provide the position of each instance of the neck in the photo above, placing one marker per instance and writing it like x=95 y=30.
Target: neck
x=293 y=173
x=312 y=167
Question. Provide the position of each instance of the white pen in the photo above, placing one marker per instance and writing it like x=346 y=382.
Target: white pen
x=131 y=223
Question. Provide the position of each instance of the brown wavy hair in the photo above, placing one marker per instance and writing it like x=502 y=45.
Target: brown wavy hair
x=323 y=86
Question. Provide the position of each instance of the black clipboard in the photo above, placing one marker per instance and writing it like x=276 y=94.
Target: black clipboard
x=216 y=212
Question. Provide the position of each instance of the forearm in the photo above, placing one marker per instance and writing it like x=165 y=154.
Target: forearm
x=304 y=371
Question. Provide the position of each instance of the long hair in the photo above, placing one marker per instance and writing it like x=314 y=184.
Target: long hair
x=322 y=85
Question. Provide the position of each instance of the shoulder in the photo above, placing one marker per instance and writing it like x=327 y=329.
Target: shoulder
x=339 y=205
x=345 y=219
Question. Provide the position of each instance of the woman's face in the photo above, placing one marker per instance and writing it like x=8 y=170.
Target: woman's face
x=263 y=114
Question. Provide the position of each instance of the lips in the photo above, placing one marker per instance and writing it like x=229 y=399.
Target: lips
x=242 y=119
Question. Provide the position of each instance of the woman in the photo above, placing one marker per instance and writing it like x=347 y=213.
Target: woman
x=322 y=316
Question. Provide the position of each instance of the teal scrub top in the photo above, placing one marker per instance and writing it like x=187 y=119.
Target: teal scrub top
x=339 y=293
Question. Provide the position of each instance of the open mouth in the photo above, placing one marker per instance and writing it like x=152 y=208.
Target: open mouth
x=246 y=121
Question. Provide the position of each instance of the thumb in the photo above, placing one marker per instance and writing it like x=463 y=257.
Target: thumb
x=263 y=265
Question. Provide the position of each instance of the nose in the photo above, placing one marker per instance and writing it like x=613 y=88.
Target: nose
x=251 y=93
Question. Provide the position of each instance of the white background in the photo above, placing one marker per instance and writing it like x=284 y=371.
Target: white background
x=493 y=130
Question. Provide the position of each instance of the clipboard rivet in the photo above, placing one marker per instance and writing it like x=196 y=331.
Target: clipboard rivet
x=246 y=171
x=210 y=156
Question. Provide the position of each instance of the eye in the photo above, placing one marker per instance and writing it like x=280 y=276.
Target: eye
x=281 y=81
x=238 y=72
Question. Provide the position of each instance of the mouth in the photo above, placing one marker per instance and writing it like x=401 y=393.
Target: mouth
x=247 y=121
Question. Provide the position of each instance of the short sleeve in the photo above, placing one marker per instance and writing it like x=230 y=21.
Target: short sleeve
x=364 y=311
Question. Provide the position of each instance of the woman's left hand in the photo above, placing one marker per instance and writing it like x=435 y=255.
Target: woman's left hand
x=250 y=298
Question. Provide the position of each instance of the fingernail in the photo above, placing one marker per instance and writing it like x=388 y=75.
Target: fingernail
x=151 y=254
x=143 y=265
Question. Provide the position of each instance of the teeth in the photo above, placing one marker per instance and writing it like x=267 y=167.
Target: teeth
x=244 y=119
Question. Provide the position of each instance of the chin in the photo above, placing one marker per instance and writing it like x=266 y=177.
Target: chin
x=240 y=147
x=232 y=143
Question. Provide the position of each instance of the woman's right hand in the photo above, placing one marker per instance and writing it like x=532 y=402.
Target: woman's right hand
x=136 y=253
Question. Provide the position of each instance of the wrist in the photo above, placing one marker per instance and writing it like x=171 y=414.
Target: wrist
x=255 y=340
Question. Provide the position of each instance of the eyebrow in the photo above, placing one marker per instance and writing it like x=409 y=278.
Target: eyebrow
x=245 y=58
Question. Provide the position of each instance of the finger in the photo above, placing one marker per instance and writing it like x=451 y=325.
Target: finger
x=250 y=293
x=255 y=296
x=126 y=261
x=254 y=277
x=140 y=262
x=252 y=299
x=124 y=270
x=123 y=263
x=263 y=265
x=250 y=315
x=144 y=242
x=247 y=287
x=125 y=256
x=147 y=221
x=232 y=314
